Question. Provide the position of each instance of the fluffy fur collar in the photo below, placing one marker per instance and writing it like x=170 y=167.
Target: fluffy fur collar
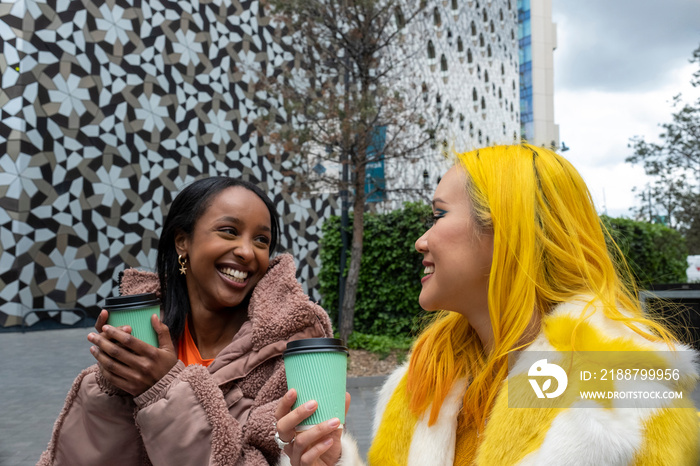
x=583 y=433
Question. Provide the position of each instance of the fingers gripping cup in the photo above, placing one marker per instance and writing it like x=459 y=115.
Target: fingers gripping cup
x=136 y=311
x=317 y=369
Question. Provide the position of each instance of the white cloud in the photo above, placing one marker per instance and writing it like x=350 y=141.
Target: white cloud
x=614 y=79
x=597 y=126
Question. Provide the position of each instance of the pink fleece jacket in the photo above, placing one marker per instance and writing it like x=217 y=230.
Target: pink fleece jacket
x=220 y=415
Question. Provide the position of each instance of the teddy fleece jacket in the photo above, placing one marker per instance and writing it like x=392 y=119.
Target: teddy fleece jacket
x=220 y=415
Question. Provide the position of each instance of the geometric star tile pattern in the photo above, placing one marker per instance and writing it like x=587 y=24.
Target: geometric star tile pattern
x=106 y=110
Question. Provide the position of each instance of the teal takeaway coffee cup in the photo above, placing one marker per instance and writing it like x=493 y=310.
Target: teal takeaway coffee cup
x=317 y=369
x=135 y=311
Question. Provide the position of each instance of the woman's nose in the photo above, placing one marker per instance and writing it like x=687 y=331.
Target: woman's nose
x=244 y=249
x=422 y=243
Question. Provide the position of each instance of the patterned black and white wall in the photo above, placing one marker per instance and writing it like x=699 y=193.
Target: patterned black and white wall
x=468 y=55
x=108 y=108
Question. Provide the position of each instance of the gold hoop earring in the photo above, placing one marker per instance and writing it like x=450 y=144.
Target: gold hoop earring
x=183 y=263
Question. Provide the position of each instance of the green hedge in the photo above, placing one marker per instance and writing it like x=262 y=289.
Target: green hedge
x=390 y=272
x=380 y=344
x=656 y=253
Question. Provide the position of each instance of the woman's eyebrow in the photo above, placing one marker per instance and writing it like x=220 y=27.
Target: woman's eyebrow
x=227 y=218
x=438 y=200
x=237 y=221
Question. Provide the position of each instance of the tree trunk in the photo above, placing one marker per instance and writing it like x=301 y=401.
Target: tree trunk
x=358 y=230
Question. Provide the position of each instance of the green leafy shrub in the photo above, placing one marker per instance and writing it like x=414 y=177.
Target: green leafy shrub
x=380 y=344
x=656 y=253
x=390 y=271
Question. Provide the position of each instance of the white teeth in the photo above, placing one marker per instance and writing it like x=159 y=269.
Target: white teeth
x=236 y=275
x=429 y=269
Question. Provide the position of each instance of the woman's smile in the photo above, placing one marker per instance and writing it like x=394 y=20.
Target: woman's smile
x=428 y=271
x=234 y=275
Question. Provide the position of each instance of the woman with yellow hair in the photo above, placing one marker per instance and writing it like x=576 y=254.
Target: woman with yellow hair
x=539 y=352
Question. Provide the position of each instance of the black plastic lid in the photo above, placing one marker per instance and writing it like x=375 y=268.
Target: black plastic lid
x=131 y=301
x=315 y=345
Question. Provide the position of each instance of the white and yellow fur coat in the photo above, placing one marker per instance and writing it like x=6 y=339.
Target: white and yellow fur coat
x=663 y=432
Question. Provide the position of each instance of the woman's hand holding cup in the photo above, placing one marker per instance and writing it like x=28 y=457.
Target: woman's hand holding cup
x=317 y=446
x=127 y=362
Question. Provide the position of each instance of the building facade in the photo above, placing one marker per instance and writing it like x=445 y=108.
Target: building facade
x=537 y=37
x=107 y=109
x=470 y=58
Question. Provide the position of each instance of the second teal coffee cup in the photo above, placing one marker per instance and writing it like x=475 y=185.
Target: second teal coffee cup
x=317 y=369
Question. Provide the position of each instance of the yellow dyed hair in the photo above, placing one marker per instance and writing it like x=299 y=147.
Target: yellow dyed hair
x=549 y=246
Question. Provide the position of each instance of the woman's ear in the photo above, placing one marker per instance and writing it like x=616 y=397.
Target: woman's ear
x=181 y=243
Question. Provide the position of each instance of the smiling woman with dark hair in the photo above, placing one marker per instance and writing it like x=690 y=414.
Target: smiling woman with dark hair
x=207 y=394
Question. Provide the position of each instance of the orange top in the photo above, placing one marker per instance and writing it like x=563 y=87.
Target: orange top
x=187 y=351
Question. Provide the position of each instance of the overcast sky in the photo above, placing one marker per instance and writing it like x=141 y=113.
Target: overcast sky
x=617 y=66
